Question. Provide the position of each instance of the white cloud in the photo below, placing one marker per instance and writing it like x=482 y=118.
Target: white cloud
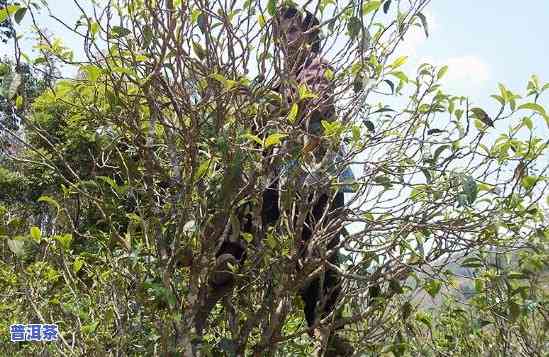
x=468 y=68
x=467 y=74
x=463 y=70
x=413 y=39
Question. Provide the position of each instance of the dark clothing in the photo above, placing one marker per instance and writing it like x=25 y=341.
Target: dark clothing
x=314 y=74
x=311 y=294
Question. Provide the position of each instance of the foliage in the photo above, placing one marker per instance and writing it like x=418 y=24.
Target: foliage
x=6 y=27
x=130 y=174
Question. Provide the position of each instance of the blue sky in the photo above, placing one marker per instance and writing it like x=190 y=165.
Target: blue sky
x=486 y=42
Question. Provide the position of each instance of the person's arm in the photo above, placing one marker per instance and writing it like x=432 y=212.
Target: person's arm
x=316 y=77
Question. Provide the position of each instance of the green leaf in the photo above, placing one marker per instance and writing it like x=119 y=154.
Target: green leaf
x=424 y=318
x=354 y=26
x=504 y=92
x=19 y=14
x=356 y=133
x=89 y=328
x=92 y=72
x=94 y=28
x=516 y=275
x=528 y=182
x=36 y=234
x=16 y=246
x=65 y=240
x=198 y=50
x=514 y=310
x=7 y=11
x=399 y=62
x=248 y=237
x=400 y=75
x=369 y=125
x=40 y=60
x=479 y=285
x=119 y=31
x=292 y=115
x=329 y=74
x=386 y=6
x=273 y=139
x=498 y=98
x=194 y=15
x=458 y=113
x=19 y=102
x=49 y=200
x=528 y=123
x=533 y=106
x=271 y=7
x=535 y=81
x=77 y=264
x=271 y=241
x=147 y=35
x=470 y=189
x=134 y=217
x=331 y=128
x=442 y=72
x=370 y=6
x=439 y=151
x=485 y=187
x=424 y=23
x=218 y=77
x=472 y=262
x=261 y=21
x=227 y=83
x=201 y=171
x=4 y=69
x=254 y=138
x=395 y=287
x=110 y=181
x=418 y=193
x=305 y=93
x=433 y=287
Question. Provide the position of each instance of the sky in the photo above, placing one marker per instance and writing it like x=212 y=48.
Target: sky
x=484 y=43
